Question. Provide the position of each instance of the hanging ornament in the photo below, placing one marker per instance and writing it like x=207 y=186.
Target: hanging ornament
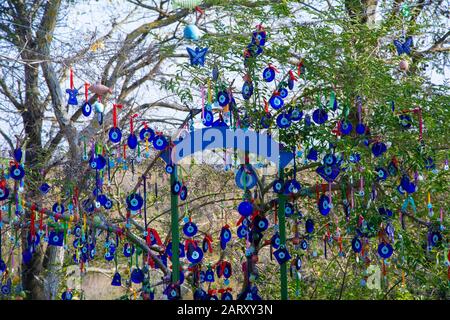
x=183 y=193
x=86 y=107
x=276 y=101
x=259 y=36
x=146 y=133
x=160 y=142
x=269 y=73
x=283 y=120
x=225 y=236
x=247 y=90
x=403 y=47
x=134 y=201
x=191 y=32
x=246 y=177
x=324 y=204
x=115 y=134
x=356 y=245
x=197 y=56
x=282 y=255
x=194 y=253
x=132 y=141
x=190 y=229
x=320 y=116
x=245 y=208
x=72 y=91
x=207 y=244
x=291 y=80
x=385 y=250
x=309 y=226
x=99 y=89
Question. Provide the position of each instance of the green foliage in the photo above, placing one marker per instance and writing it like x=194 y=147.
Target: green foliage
x=350 y=58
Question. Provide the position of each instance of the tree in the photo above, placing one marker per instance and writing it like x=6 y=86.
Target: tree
x=344 y=49
x=349 y=56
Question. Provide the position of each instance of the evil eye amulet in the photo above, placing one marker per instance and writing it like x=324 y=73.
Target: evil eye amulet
x=295 y=115
x=283 y=121
x=169 y=169
x=223 y=98
x=146 y=133
x=132 y=141
x=360 y=128
x=190 y=229
x=137 y=276
x=128 y=250
x=4 y=193
x=283 y=93
x=17 y=172
x=324 y=205
x=183 y=193
x=208 y=118
x=225 y=235
x=134 y=202
x=242 y=231
x=160 y=143
x=288 y=209
x=86 y=109
x=247 y=90
x=276 y=102
x=304 y=245
x=385 y=250
x=245 y=208
x=109 y=256
x=108 y=204
x=291 y=84
x=261 y=224
x=346 y=127
x=278 y=186
x=282 y=255
x=275 y=241
x=382 y=173
x=309 y=226
x=320 y=116
x=176 y=188
x=115 y=135
x=58 y=208
x=356 y=245
x=269 y=74
x=195 y=256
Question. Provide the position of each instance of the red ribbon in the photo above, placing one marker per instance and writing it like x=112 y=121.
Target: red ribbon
x=155 y=235
x=259 y=27
x=266 y=106
x=208 y=239
x=299 y=68
x=86 y=93
x=32 y=221
x=71 y=78
x=41 y=218
x=271 y=66
x=292 y=75
x=75 y=196
x=131 y=123
x=115 y=106
x=200 y=11
x=189 y=241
